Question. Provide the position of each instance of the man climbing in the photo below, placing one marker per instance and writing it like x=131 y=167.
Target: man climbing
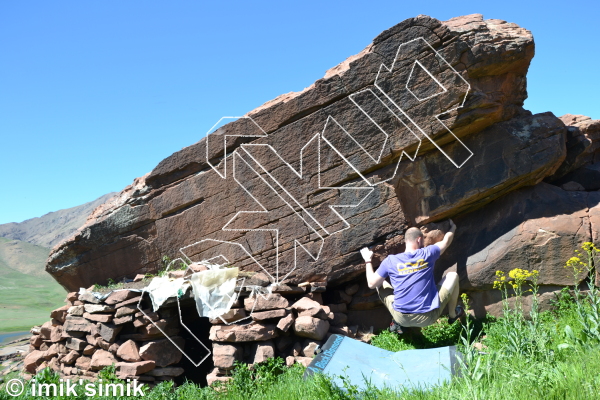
x=413 y=298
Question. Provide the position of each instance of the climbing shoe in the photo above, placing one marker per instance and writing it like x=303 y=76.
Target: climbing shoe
x=395 y=327
x=459 y=313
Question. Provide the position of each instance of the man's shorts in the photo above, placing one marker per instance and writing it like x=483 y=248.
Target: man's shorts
x=386 y=294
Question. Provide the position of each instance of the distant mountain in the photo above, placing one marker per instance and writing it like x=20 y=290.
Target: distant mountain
x=26 y=258
x=27 y=292
x=48 y=230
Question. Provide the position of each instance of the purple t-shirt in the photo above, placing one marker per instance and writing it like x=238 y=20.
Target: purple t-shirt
x=411 y=276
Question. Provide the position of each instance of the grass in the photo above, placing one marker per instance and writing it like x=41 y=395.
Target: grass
x=26 y=300
x=548 y=355
x=27 y=292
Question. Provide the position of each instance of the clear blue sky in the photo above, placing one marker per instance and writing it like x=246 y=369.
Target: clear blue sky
x=96 y=93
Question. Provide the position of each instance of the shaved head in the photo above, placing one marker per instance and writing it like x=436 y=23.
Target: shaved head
x=412 y=234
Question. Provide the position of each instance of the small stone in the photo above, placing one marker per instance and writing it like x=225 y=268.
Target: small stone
x=234 y=314
x=162 y=352
x=103 y=344
x=303 y=360
x=84 y=363
x=109 y=331
x=134 y=368
x=89 y=350
x=225 y=355
x=119 y=296
x=155 y=327
x=104 y=318
x=270 y=314
x=285 y=323
x=141 y=321
x=176 y=274
x=59 y=314
x=77 y=324
x=126 y=310
x=297 y=349
x=153 y=316
x=263 y=351
x=72 y=296
x=98 y=308
x=312 y=328
x=51 y=352
x=75 y=344
x=76 y=311
x=215 y=377
x=113 y=348
x=56 y=333
x=33 y=360
x=196 y=267
x=269 y=302
x=259 y=279
x=139 y=278
x=289 y=361
x=71 y=357
x=123 y=320
x=287 y=289
x=133 y=301
x=314 y=312
x=129 y=351
x=36 y=340
x=88 y=297
x=102 y=359
x=91 y=339
x=252 y=332
x=305 y=304
x=309 y=347
x=352 y=289
x=45 y=330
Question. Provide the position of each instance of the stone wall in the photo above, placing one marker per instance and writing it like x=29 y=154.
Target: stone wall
x=88 y=334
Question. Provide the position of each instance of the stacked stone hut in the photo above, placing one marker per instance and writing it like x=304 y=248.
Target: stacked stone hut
x=88 y=334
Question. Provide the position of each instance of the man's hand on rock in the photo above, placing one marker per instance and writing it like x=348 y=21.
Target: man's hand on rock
x=452 y=226
x=366 y=254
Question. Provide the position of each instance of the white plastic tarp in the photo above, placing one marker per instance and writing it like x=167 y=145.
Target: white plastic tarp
x=214 y=291
x=161 y=288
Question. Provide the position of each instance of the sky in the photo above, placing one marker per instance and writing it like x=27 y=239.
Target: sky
x=95 y=94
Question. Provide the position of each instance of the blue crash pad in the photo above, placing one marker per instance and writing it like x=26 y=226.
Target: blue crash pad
x=360 y=362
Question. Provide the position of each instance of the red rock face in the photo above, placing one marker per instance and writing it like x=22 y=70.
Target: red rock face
x=386 y=143
x=479 y=67
x=535 y=228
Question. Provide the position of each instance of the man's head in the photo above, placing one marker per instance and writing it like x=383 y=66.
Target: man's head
x=414 y=238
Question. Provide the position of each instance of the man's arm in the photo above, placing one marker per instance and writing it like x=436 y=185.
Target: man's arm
x=448 y=237
x=373 y=279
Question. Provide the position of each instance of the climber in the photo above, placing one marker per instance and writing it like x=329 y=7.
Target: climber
x=413 y=298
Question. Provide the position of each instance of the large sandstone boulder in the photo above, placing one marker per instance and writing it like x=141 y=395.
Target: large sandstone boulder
x=535 y=228
x=367 y=117
x=507 y=155
x=583 y=144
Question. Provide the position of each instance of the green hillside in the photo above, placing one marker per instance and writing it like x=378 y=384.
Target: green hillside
x=27 y=293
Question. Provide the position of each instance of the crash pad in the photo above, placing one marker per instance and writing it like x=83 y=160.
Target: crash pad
x=360 y=363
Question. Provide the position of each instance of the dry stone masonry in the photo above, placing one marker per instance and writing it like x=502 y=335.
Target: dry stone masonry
x=88 y=334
